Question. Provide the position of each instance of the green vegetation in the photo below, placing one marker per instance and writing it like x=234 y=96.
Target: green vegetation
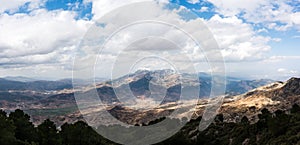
x=276 y=128
x=16 y=129
x=272 y=128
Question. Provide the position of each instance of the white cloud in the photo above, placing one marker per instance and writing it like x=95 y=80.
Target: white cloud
x=193 y=1
x=280 y=70
x=204 y=9
x=263 y=30
x=233 y=7
x=295 y=18
x=275 y=59
x=39 y=37
x=287 y=73
x=138 y=31
x=45 y=40
x=237 y=39
x=277 y=15
x=276 y=39
x=13 y=5
x=102 y=7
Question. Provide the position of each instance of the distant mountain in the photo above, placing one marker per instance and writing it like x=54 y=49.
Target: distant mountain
x=20 y=79
x=141 y=80
x=7 y=85
x=163 y=86
x=239 y=87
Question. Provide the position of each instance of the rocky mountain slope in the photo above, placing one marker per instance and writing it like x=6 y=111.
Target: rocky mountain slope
x=275 y=96
x=61 y=106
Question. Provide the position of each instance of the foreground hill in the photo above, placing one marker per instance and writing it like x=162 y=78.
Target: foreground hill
x=271 y=128
x=275 y=96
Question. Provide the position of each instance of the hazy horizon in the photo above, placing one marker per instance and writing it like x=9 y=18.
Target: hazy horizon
x=104 y=78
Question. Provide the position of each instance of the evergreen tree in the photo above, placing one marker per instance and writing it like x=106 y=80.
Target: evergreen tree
x=7 y=134
x=24 y=129
x=80 y=133
x=48 y=134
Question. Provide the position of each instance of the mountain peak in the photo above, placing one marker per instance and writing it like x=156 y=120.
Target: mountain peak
x=292 y=86
x=293 y=79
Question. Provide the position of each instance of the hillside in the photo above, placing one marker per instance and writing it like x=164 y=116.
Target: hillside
x=275 y=96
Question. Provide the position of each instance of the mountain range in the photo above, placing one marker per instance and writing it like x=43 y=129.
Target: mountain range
x=55 y=99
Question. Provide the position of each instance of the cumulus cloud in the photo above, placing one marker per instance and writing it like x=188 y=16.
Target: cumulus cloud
x=278 y=15
x=47 y=39
x=238 y=40
x=138 y=31
x=102 y=7
x=233 y=8
x=39 y=37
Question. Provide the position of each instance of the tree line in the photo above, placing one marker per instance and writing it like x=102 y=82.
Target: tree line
x=16 y=129
x=277 y=128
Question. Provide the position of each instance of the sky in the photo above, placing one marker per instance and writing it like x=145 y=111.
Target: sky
x=259 y=39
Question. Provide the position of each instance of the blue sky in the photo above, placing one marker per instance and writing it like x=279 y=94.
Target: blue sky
x=84 y=10
x=271 y=45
